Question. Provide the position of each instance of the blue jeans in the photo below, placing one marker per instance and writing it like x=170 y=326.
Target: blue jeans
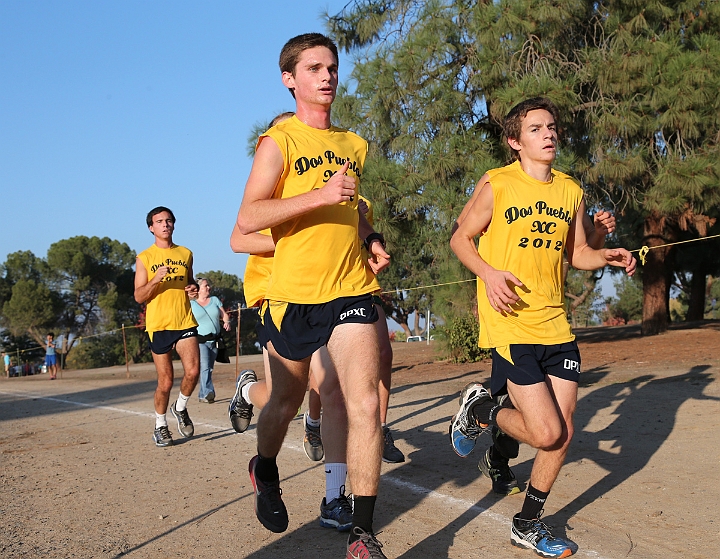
x=208 y=353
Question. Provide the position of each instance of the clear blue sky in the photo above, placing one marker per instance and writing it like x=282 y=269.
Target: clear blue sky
x=108 y=109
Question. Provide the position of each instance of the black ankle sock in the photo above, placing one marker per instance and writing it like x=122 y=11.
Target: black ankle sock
x=363 y=509
x=481 y=412
x=534 y=503
x=486 y=412
x=266 y=469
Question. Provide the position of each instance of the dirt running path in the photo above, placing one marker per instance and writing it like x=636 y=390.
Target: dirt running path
x=81 y=478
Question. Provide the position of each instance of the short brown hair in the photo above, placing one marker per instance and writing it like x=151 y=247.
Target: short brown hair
x=160 y=209
x=512 y=125
x=279 y=118
x=290 y=53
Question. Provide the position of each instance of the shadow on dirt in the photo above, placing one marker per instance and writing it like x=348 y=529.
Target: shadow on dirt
x=645 y=407
x=68 y=402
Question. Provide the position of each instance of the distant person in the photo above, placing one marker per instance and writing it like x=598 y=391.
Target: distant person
x=50 y=356
x=208 y=312
x=8 y=362
x=164 y=280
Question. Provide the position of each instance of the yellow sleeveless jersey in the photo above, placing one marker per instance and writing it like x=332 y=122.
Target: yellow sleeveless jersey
x=259 y=268
x=257 y=276
x=526 y=236
x=169 y=308
x=317 y=255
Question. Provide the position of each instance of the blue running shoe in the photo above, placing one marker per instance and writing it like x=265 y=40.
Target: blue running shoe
x=535 y=535
x=464 y=431
x=338 y=513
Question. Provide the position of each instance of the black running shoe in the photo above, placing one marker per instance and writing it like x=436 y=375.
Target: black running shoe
x=503 y=480
x=185 y=424
x=240 y=410
x=366 y=546
x=391 y=453
x=338 y=513
x=269 y=507
x=504 y=443
x=162 y=436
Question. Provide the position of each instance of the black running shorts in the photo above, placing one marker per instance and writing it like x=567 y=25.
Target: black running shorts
x=297 y=331
x=164 y=341
x=532 y=362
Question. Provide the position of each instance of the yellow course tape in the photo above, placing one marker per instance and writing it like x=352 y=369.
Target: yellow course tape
x=645 y=249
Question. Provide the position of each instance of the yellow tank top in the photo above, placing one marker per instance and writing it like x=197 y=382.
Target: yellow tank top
x=259 y=268
x=317 y=255
x=527 y=235
x=257 y=276
x=169 y=308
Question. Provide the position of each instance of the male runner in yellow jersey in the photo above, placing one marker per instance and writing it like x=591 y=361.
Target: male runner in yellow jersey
x=528 y=214
x=303 y=185
x=495 y=461
x=164 y=280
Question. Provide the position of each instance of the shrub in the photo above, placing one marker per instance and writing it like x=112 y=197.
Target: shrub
x=460 y=339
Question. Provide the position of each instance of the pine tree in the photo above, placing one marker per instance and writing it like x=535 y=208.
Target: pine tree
x=655 y=114
x=638 y=83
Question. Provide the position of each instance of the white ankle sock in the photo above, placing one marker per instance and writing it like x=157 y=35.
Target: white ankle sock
x=181 y=402
x=160 y=420
x=245 y=391
x=310 y=421
x=335 y=476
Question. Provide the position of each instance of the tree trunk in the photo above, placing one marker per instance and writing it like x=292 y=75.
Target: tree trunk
x=696 y=305
x=416 y=327
x=405 y=328
x=656 y=285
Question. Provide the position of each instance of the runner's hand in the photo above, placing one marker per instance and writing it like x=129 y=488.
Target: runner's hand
x=161 y=273
x=604 y=223
x=379 y=259
x=340 y=187
x=621 y=258
x=499 y=290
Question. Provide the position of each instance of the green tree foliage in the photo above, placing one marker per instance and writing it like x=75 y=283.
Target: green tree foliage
x=655 y=112
x=32 y=309
x=582 y=293
x=637 y=84
x=712 y=306
x=627 y=304
x=95 y=279
x=460 y=339
x=82 y=288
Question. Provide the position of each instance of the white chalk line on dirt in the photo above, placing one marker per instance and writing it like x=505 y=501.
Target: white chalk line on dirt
x=443 y=498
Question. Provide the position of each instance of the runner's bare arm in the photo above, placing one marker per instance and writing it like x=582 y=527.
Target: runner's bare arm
x=144 y=289
x=583 y=257
x=485 y=179
x=601 y=225
x=252 y=243
x=378 y=258
x=192 y=287
x=475 y=220
x=259 y=210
